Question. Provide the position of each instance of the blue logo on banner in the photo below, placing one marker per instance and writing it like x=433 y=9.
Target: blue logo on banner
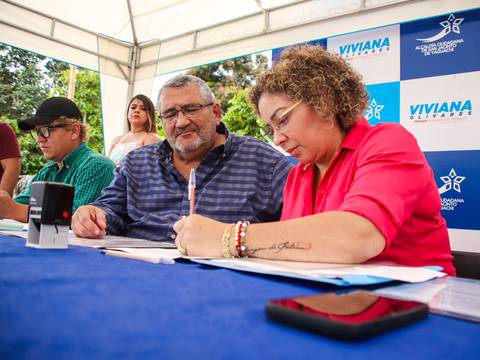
x=457 y=174
x=442 y=45
x=363 y=48
x=277 y=52
x=441 y=111
x=384 y=103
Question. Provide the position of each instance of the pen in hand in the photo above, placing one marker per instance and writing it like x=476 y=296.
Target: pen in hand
x=192 y=183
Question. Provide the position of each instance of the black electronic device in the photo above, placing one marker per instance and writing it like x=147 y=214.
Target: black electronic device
x=349 y=316
x=50 y=214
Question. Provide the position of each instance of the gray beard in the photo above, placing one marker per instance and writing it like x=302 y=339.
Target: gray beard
x=204 y=136
x=192 y=146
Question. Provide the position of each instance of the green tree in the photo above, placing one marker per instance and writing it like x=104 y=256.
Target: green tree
x=26 y=79
x=240 y=117
x=22 y=82
x=23 y=86
x=54 y=70
x=87 y=97
x=226 y=78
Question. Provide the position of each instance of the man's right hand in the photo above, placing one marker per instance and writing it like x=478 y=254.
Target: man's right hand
x=89 y=221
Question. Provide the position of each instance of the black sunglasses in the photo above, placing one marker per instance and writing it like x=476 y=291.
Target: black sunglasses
x=44 y=131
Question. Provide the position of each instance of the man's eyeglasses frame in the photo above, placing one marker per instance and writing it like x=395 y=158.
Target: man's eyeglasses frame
x=171 y=115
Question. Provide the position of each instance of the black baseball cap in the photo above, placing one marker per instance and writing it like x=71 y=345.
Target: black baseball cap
x=50 y=110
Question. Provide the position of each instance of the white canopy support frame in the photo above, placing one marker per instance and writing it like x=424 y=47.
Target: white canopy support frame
x=131 y=42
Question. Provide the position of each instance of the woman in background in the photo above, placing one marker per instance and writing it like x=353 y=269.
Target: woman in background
x=142 y=129
x=359 y=193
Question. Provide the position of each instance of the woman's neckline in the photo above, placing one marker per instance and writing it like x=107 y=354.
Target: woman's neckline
x=137 y=132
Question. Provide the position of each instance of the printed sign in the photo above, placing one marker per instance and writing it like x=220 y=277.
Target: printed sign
x=374 y=53
x=441 y=45
x=384 y=103
x=457 y=174
x=442 y=112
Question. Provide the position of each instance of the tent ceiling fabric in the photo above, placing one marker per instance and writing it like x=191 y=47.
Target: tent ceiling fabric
x=137 y=39
x=152 y=20
x=131 y=35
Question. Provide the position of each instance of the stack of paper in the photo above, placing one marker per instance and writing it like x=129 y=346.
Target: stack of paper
x=6 y=224
x=111 y=241
x=450 y=296
x=156 y=256
x=12 y=227
x=337 y=274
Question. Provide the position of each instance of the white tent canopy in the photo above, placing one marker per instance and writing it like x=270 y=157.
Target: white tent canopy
x=130 y=42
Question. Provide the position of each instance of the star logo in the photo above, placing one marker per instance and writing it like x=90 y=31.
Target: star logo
x=452 y=180
x=374 y=110
x=452 y=24
x=449 y=25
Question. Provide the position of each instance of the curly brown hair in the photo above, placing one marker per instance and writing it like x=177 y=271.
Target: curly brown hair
x=318 y=78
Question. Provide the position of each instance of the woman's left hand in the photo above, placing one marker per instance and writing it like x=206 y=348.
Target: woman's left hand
x=199 y=236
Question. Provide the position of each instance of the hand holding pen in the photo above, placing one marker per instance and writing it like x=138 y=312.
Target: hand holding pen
x=192 y=183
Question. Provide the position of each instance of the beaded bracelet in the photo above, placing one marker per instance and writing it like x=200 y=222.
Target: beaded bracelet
x=226 y=242
x=238 y=229
x=241 y=232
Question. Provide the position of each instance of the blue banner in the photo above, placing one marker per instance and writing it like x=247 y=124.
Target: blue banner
x=277 y=51
x=384 y=103
x=433 y=46
x=457 y=174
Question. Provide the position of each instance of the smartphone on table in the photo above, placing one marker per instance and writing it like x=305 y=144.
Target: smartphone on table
x=350 y=316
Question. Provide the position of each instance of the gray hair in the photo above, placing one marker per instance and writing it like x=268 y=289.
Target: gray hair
x=184 y=80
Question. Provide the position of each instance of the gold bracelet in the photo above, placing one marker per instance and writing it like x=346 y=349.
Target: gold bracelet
x=226 y=242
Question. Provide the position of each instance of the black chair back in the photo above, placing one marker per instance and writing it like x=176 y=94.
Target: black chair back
x=467 y=264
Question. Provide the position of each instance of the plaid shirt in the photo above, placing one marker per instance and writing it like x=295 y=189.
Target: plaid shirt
x=86 y=170
x=242 y=179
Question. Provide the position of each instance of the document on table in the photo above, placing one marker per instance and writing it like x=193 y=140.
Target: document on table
x=153 y=255
x=450 y=296
x=350 y=274
x=14 y=228
x=111 y=241
x=12 y=225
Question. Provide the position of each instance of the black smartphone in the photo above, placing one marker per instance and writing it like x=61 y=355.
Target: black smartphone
x=349 y=316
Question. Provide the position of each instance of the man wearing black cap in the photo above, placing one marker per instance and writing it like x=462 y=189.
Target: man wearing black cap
x=58 y=129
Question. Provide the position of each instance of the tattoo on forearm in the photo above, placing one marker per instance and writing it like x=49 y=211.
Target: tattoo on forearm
x=278 y=247
x=290 y=245
x=253 y=251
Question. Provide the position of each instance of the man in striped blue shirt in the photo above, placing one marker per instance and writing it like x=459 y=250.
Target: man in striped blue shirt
x=237 y=177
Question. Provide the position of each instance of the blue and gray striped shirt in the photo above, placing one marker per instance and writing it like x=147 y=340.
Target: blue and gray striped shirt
x=242 y=179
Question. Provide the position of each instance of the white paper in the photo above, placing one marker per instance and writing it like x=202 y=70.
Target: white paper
x=156 y=256
x=451 y=296
x=315 y=270
x=110 y=241
x=12 y=225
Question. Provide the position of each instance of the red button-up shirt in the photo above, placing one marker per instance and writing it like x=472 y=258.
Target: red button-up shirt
x=379 y=173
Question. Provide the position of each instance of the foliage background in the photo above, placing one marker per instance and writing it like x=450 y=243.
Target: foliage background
x=230 y=81
x=26 y=79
